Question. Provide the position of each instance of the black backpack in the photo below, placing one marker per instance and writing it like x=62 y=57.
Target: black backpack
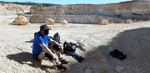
x=118 y=54
x=69 y=47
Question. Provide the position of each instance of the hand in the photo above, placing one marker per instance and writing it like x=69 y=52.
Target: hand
x=54 y=57
x=61 y=49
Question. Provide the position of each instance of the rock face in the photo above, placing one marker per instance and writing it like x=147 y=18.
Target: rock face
x=9 y=8
x=85 y=19
x=133 y=10
x=126 y=10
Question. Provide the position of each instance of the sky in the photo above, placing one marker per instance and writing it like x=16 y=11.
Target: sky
x=63 y=2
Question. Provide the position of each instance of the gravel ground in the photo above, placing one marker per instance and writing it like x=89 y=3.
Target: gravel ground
x=132 y=39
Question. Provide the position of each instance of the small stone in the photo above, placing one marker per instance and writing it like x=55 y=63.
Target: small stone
x=87 y=70
x=119 y=69
x=105 y=71
x=47 y=69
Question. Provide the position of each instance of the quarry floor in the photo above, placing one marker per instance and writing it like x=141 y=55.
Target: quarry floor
x=132 y=39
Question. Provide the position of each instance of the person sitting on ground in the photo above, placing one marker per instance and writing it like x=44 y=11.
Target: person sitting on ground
x=40 y=47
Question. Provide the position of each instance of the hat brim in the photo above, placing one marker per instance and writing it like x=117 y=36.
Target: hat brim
x=44 y=27
x=48 y=28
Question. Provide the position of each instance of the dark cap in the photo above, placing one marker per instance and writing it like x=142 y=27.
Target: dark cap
x=44 y=27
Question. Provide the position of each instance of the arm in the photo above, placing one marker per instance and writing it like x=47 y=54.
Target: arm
x=54 y=42
x=48 y=51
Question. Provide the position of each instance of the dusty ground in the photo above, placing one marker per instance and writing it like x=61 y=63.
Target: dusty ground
x=133 y=39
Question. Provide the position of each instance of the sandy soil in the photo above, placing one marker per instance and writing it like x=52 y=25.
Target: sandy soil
x=132 y=39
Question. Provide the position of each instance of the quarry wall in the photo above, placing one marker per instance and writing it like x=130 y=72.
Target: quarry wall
x=85 y=19
x=9 y=8
x=135 y=10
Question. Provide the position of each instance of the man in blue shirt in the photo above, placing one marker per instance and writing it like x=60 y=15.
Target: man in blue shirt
x=40 y=47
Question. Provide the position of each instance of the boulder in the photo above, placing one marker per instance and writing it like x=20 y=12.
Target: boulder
x=21 y=20
x=50 y=22
x=64 y=22
x=129 y=21
x=104 y=22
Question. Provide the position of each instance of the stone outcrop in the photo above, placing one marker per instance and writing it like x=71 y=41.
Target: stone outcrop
x=135 y=10
x=9 y=8
x=85 y=19
x=124 y=9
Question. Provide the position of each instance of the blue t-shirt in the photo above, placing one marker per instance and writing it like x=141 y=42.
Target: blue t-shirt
x=37 y=49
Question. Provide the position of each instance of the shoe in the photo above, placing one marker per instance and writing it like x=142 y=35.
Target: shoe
x=61 y=67
x=63 y=61
x=82 y=46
